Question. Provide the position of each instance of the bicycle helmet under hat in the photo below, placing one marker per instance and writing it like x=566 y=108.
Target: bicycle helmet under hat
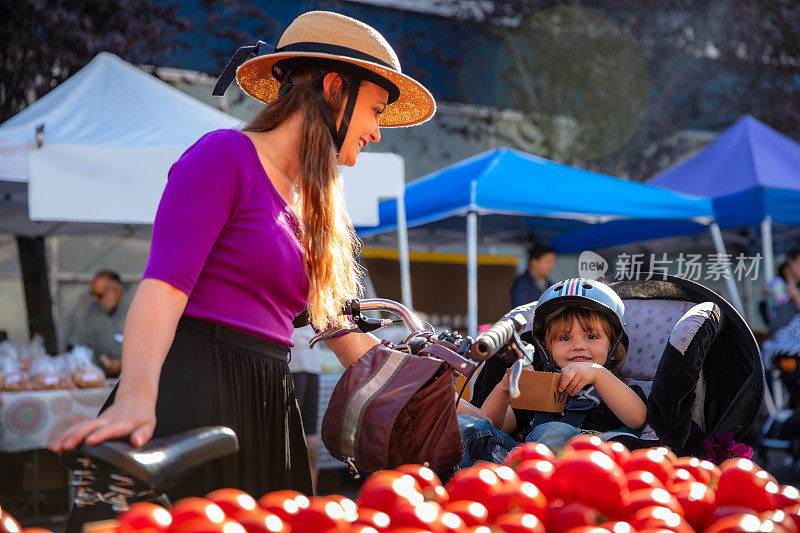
x=587 y=294
x=340 y=44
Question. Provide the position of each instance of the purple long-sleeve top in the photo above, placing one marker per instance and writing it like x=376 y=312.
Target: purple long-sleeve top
x=225 y=237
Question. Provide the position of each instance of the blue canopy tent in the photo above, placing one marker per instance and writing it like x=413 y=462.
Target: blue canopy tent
x=517 y=194
x=751 y=173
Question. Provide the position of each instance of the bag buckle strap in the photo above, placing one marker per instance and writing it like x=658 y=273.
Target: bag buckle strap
x=460 y=364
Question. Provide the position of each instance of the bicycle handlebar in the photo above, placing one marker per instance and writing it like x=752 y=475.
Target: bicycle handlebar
x=354 y=307
x=493 y=339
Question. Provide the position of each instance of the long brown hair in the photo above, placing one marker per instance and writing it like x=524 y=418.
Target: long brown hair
x=329 y=241
x=592 y=322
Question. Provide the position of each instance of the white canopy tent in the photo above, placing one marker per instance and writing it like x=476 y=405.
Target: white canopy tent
x=93 y=154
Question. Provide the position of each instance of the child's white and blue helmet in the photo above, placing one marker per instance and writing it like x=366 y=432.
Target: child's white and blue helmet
x=585 y=293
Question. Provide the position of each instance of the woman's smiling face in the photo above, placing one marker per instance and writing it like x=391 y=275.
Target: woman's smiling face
x=363 y=129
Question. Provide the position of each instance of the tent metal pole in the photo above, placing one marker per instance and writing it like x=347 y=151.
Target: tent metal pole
x=403 y=253
x=730 y=283
x=472 y=273
x=766 y=249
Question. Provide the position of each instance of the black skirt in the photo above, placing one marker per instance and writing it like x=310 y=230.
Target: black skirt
x=214 y=375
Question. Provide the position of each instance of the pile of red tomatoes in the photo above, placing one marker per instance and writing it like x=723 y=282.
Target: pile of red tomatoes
x=592 y=487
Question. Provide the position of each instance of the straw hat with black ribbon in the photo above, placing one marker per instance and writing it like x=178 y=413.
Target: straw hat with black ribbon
x=340 y=44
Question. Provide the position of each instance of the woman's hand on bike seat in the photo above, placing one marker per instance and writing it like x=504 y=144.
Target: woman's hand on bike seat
x=124 y=417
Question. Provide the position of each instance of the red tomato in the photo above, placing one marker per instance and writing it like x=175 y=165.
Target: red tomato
x=590 y=477
x=192 y=508
x=232 y=500
x=660 y=517
x=587 y=529
x=698 y=502
x=8 y=524
x=471 y=513
x=667 y=453
x=429 y=482
x=712 y=469
x=451 y=522
x=145 y=515
x=322 y=515
x=475 y=483
x=736 y=523
x=652 y=460
x=728 y=510
x=518 y=523
x=528 y=451
x=561 y=517
x=652 y=498
x=587 y=442
x=794 y=513
x=742 y=482
x=525 y=497
x=284 y=503
x=787 y=496
x=504 y=473
x=621 y=453
x=423 y=516
x=643 y=479
x=349 y=506
x=261 y=521
x=695 y=467
x=618 y=527
x=681 y=475
x=390 y=491
x=781 y=518
x=539 y=472
x=204 y=525
x=370 y=517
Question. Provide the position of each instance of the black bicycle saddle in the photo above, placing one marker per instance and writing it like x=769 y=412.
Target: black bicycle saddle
x=160 y=463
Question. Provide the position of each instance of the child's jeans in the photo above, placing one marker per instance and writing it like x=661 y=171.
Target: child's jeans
x=482 y=441
x=554 y=435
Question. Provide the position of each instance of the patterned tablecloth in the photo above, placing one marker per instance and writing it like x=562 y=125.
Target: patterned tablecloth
x=29 y=420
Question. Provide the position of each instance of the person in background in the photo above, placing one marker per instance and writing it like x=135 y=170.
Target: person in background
x=529 y=285
x=305 y=366
x=783 y=294
x=99 y=325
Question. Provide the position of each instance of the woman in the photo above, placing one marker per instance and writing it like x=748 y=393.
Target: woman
x=250 y=232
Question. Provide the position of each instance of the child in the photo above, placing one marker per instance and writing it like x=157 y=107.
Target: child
x=578 y=329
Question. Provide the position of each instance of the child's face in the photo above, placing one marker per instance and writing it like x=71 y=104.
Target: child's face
x=579 y=345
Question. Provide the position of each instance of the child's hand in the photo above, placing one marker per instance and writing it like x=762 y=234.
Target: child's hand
x=575 y=376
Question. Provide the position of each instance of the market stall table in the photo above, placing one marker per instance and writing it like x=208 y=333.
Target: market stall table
x=29 y=420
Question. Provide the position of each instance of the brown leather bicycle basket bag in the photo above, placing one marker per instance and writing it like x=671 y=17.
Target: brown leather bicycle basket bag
x=391 y=408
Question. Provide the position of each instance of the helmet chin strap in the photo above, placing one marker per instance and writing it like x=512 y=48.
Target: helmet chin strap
x=338 y=135
x=610 y=361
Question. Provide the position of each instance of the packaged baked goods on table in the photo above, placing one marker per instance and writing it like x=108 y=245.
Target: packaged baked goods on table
x=29 y=367
x=84 y=372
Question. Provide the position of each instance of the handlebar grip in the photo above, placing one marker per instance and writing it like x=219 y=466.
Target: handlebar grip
x=493 y=339
x=490 y=341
